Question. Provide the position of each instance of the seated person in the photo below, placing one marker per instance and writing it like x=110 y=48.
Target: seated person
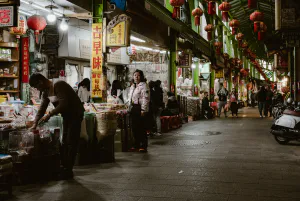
x=172 y=107
x=207 y=110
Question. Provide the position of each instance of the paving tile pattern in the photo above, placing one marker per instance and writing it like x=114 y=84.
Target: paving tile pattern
x=232 y=159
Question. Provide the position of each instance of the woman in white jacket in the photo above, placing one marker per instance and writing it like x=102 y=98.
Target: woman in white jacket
x=139 y=97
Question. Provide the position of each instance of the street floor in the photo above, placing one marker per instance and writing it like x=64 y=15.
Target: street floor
x=223 y=159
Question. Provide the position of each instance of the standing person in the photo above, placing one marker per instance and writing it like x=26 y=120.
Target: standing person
x=207 y=110
x=68 y=104
x=222 y=93
x=84 y=90
x=157 y=105
x=233 y=103
x=269 y=97
x=116 y=90
x=261 y=98
x=139 y=99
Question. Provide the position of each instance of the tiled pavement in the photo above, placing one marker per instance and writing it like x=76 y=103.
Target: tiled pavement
x=213 y=160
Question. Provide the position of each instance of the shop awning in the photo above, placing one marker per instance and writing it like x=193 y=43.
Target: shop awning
x=185 y=31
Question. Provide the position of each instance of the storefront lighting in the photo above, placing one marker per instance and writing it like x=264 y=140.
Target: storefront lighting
x=137 y=39
x=193 y=66
x=63 y=25
x=163 y=52
x=51 y=17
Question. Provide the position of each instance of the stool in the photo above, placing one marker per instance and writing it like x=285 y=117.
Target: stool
x=6 y=168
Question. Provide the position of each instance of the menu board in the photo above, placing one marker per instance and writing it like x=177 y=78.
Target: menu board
x=184 y=60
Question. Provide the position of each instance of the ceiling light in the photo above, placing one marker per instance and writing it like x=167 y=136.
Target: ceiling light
x=26 y=2
x=51 y=17
x=64 y=25
x=137 y=39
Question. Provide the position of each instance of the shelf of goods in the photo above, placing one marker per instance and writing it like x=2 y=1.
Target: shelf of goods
x=9 y=69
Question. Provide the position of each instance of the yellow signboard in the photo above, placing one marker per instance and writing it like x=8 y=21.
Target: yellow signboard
x=117 y=37
x=219 y=73
x=118 y=31
x=97 y=59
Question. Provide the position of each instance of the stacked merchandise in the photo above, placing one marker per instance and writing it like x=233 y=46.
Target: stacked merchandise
x=193 y=106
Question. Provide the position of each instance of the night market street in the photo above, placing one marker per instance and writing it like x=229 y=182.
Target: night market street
x=233 y=159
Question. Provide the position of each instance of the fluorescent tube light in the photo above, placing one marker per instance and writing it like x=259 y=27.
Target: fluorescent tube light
x=26 y=2
x=40 y=7
x=25 y=13
x=137 y=39
x=57 y=14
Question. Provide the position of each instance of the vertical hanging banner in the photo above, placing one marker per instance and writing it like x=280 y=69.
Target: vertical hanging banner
x=97 y=60
x=25 y=60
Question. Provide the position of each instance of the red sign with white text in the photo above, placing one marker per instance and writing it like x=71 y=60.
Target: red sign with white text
x=25 y=60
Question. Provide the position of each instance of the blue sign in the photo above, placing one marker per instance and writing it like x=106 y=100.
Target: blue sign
x=121 y=4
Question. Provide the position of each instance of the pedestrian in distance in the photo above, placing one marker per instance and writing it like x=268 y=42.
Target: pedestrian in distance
x=222 y=93
x=261 y=98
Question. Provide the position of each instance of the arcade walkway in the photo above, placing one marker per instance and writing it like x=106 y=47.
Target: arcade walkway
x=233 y=159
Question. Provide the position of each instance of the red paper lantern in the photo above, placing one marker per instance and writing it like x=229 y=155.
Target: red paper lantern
x=197 y=13
x=209 y=28
x=176 y=7
x=225 y=7
x=257 y=17
x=262 y=30
x=240 y=38
x=252 y=3
x=36 y=23
x=218 y=46
x=234 y=24
x=211 y=10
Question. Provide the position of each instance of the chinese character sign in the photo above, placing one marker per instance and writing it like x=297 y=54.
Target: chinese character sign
x=96 y=85
x=219 y=73
x=96 y=60
x=118 y=31
x=25 y=60
x=21 y=28
x=6 y=16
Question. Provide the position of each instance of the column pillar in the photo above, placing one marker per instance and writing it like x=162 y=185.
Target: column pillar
x=173 y=57
x=212 y=82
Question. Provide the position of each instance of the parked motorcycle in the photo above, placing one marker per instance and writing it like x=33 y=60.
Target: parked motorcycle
x=287 y=126
x=277 y=105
